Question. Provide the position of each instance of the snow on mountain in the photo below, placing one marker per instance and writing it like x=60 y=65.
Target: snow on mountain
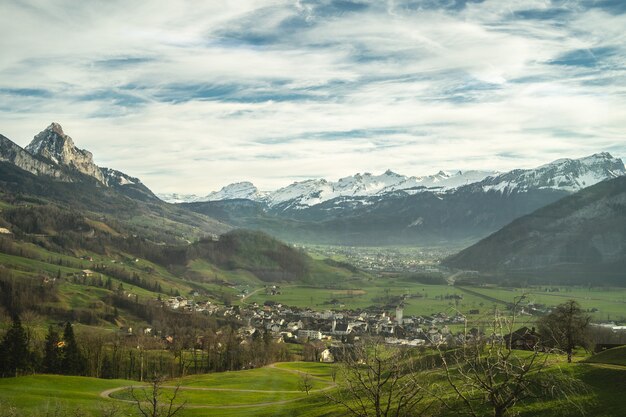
x=311 y=192
x=302 y=193
x=239 y=190
x=569 y=175
x=564 y=174
x=176 y=198
x=115 y=177
x=441 y=181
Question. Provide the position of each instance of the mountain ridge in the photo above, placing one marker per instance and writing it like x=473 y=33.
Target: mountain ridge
x=425 y=216
x=566 y=174
x=578 y=238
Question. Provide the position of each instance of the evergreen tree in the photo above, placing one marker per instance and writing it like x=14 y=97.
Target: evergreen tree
x=73 y=362
x=52 y=353
x=15 y=358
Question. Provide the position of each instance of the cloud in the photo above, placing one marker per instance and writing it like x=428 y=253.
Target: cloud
x=190 y=96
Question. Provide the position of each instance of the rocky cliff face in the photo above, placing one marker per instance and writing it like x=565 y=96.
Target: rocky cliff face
x=12 y=153
x=59 y=148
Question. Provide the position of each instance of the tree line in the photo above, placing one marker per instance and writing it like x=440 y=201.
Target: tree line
x=181 y=350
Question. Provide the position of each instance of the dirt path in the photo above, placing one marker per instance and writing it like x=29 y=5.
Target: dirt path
x=107 y=393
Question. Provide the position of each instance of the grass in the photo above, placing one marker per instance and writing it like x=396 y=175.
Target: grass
x=267 y=378
x=34 y=395
x=38 y=393
x=610 y=303
x=193 y=397
x=422 y=299
x=615 y=356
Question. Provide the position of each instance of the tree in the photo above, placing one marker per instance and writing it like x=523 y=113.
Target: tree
x=376 y=380
x=52 y=352
x=154 y=402
x=484 y=372
x=565 y=328
x=306 y=383
x=72 y=360
x=15 y=357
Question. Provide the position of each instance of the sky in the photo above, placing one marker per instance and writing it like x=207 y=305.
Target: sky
x=192 y=95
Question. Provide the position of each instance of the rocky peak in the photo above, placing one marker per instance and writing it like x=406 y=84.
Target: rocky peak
x=53 y=144
x=12 y=153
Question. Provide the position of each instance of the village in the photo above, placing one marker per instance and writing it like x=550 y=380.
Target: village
x=329 y=331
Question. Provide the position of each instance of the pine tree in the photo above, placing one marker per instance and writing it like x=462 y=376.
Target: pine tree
x=15 y=358
x=73 y=362
x=52 y=353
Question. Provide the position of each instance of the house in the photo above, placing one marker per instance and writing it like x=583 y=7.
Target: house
x=327 y=356
x=340 y=329
x=309 y=334
x=87 y=272
x=523 y=338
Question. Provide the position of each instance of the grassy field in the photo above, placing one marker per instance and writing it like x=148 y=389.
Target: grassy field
x=602 y=303
x=423 y=299
x=615 y=356
x=261 y=391
x=270 y=391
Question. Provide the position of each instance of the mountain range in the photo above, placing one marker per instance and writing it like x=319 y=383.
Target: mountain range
x=443 y=209
x=316 y=191
x=453 y=209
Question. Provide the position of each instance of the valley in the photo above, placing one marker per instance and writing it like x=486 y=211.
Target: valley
x=247 y=323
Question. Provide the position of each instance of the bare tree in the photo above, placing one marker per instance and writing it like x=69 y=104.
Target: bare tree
x=154 y=402
x=566 y=327
x=306 y=383
x=484 y=372
x=377 y=380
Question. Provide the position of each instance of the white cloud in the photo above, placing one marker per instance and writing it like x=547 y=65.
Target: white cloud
x=190 y=96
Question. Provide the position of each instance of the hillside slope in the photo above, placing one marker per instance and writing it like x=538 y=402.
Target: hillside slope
x=581 y=238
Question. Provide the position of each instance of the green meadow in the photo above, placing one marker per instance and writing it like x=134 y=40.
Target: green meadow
x=275 y=391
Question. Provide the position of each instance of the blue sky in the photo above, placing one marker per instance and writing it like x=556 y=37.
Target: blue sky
x=190 y=96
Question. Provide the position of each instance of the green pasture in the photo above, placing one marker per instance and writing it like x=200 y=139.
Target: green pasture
x=615 y=356
x=610 y=303
x=271 y=391
x=422 y=299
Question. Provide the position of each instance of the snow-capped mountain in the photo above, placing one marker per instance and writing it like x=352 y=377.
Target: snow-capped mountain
x=176 y=198
x=315 y=191
x=311 y=192
x=445 y=208
x=569 y=175
x=239 y=190
x=236 y=191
